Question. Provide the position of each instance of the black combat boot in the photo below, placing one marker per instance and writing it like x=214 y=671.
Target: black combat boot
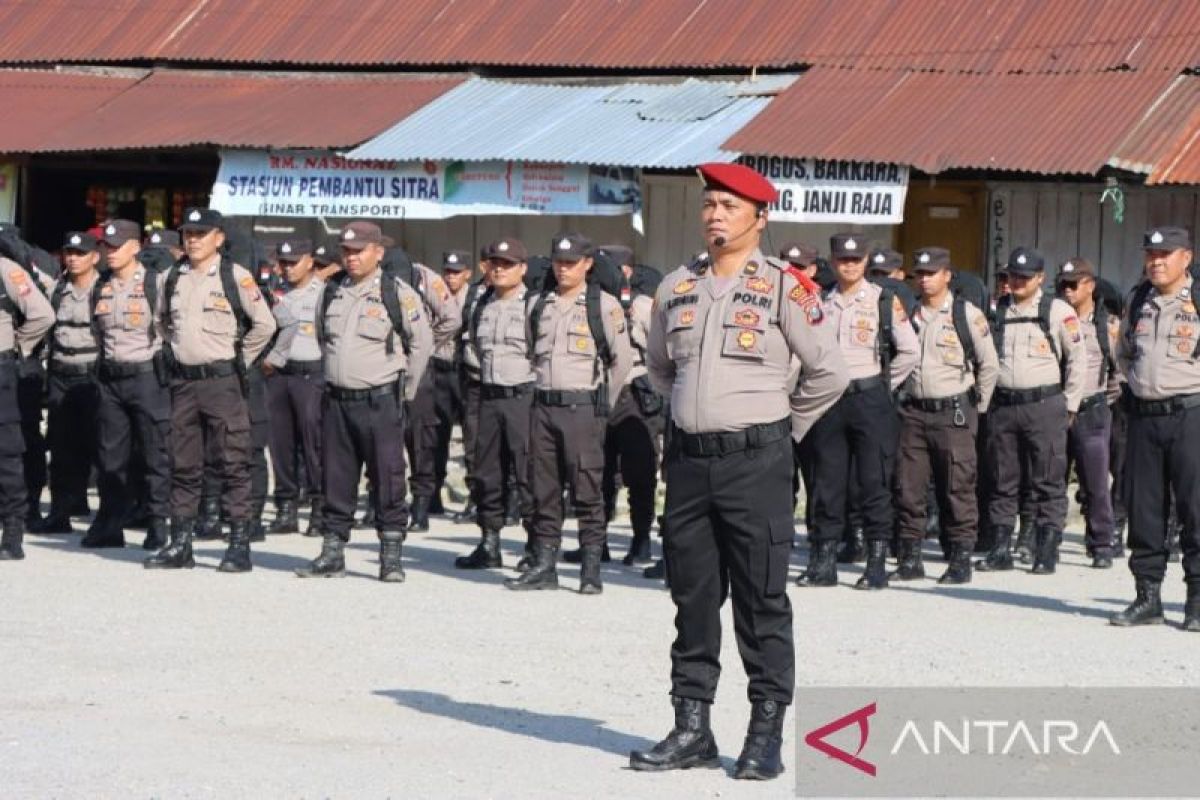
x=542 y=573
x=656 y=570
x=1191 y=609
x=761 y=759
x=576 y=556
x=138 y=516
x=178 y=552
x=315 y=516
x=258 y=532
x=208 y=524
x=822 y=565
x=33 y=513
x=287 y=518
x=467 y=514
x=909 y=566
x=1118 y=549
x=959 y=570
x=105 y=531
x=1173 y=528
x=999 y=558
x=486 y=554
x=156 y=535
x=1045 y=557
x=58 y=520
x=79 y=507
x=689 y=744
x=331 y=563
x=390 y=547
x=237 y=555
x=639 y=550
x=853 y=550
x=419 y=514
x=1102 y=558
x=1146 y=609
x=589 y=573
x=11 y=540
x=1024 y=548
x=436 y=506
x=875 y=576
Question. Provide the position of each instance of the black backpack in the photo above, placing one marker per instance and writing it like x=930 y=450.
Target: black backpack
x=391 y=303
x=1042 y=320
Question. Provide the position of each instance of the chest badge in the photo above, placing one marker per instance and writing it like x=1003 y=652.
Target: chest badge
x=760 y=285
x=687 y=317
x=747 y=339
x=746 y=318
x=683 y=287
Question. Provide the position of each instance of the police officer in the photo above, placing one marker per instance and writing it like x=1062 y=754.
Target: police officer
x=951 y=385
x=887 y=263
x=862 y=426
x=468 y=377
x=1042 y=373
x=19 y=300
x=217 y=325
x=376 y=340
x=71 y=395
x=1088 y=439
x=295 y=386
x=134 y=410
x=722 y=341
x=447 y=389
x=496 y=336
x=579 y=350
x=635 y=422
x=421 y=431
x=1160 y=340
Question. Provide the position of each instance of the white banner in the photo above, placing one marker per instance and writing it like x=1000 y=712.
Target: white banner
x=813 y=190
x=321 y=184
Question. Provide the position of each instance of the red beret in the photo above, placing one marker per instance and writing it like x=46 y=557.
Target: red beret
x=739 y=180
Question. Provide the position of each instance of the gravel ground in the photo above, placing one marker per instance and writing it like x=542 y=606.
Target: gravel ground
x=133 y=684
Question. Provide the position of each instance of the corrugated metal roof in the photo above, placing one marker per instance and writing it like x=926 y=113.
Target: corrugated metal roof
x=934 y=121
x=950 y=35
x=170 y=108
x=663 y=125
x=1165 y=126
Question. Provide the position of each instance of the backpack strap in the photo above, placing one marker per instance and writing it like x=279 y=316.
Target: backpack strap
x=150 y=290
x=1042 y=319
x=1107 y=364
x=327 y=294
x=476 y=315
x=595 y=318
x=535 y=320
x=885 y=347
x=390 y=295
x=958 y=315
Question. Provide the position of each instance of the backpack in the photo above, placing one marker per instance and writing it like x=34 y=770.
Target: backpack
x=962 y=329
x=1042 y=319
x=391 y=303
x=52 y=347
x=15 y=249
x=604 y=276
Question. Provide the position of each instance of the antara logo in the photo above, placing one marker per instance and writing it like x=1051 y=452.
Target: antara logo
x=816 y=738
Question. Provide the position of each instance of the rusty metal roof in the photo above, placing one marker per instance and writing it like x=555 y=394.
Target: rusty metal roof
x=944 y=35
x=938 y=121
x=1164 y=143
x=168 y=108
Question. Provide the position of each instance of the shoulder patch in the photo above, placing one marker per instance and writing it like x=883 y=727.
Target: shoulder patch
x=247 y=282
x=898 y=310
x=1071 y=324
x=684 y=286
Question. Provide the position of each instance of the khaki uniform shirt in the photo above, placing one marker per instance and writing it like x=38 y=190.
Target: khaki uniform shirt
x=856 y=321
x=565 y=354
x=1092 y=384
x=1158 y=362
x=357 y=331
x=204 y=328
x=503 y=353
x=448 y=349
x=442 y=307
x=296 y=315
x=73 y=340
x=943 y=370
x=1028 y=360
x=33 y=305
x=724 y=356
x=125 y=318
x=641 y=311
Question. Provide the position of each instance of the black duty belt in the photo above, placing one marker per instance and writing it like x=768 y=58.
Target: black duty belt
x=934 y=405
x=116 y=370
x=357 y=395
x=314 y=367
x=201 y=372
x=442 y=365
x=494 y=391
x=61 y=370
x=562 y=398
x=1017 y=397
x=1088 y=403
x=1162 y=408
x=75 y=351
x=861 y=385
x=719 y=444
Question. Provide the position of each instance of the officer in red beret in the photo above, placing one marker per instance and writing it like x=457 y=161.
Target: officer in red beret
x=723 y=335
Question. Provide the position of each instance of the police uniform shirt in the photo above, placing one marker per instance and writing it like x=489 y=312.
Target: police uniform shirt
x=943 y=370
x=856 y=320
x=73 y=324
x=296 y=315
x=640 y=312
x=503 y=353
x=445 y=314
x=1095 y=356
x=724 y=356
x=1028 y=359
x=357 y=330
x=565 y=356
x=31 y=304
x=204 y=328
x=445 y=350
x=1158 y=362
x=124 y=317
